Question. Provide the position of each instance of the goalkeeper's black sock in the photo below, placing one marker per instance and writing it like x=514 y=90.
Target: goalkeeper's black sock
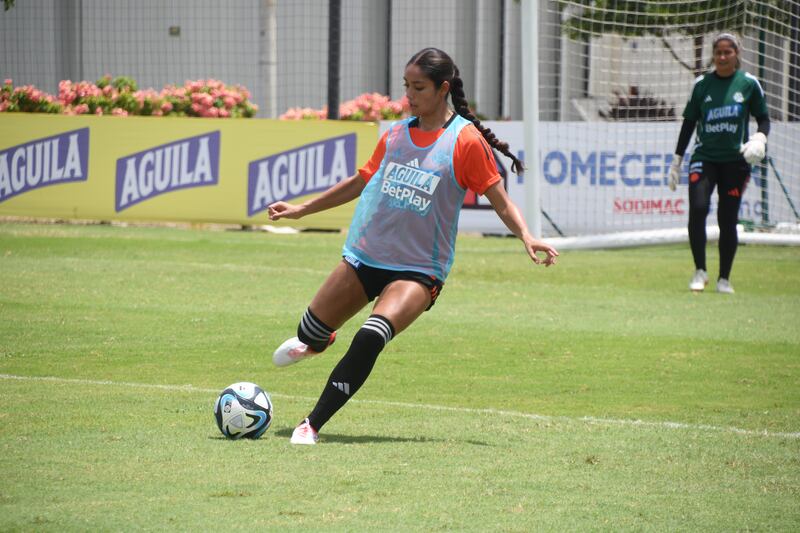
x=353 y=370
x=727 y=218
x=699 y=205
x=313 y=332
x=697 y=237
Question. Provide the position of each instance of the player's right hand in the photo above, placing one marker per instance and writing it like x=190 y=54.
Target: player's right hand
x=675 y=171
x=280 y=210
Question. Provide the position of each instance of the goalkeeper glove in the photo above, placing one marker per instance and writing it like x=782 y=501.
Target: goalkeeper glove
x=755 y=148
x=675 y=171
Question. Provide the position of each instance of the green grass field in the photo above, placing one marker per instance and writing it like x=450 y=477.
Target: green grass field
x=596 y=395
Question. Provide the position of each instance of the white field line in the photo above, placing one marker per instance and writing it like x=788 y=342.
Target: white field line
x=468 y=410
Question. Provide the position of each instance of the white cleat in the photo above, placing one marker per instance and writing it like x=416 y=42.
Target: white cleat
x=293 y=351
x=724 y=286
x=304 y=434
x=699 y=281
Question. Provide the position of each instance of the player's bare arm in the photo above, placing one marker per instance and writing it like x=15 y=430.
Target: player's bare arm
x=509 y=213
x=341 y=193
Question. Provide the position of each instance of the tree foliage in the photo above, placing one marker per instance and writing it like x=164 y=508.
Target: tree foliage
x=638 y=18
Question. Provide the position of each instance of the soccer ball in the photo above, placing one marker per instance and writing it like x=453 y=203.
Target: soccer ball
x=243 y=410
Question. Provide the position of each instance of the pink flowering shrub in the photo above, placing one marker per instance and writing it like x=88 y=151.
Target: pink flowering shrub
x=26 y=98
x=121 y=97
x=301 y=113
x=370 y=107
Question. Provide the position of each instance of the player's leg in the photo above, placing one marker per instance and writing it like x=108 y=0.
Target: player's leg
x=400 y=303
x=702 y=179
x=732 y=183
x=339 y=298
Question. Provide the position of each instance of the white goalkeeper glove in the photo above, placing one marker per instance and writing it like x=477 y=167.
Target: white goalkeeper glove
x=755 y=148
x=675 y=171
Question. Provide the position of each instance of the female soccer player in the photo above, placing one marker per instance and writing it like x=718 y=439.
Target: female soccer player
x=401 y=241
x=720 y=106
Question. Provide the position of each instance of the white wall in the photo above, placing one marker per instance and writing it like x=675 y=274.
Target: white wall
x=27 y=40
x=216 y=40
x=44 y=41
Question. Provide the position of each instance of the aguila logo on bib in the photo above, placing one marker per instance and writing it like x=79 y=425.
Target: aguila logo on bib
x=55 y=160
x=301 y=171
x=409 y=187
x=183 y=164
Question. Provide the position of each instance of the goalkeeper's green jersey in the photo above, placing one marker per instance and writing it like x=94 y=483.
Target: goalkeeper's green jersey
x=722 y=108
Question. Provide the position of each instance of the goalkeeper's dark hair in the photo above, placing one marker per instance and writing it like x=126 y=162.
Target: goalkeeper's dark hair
x=439 y=68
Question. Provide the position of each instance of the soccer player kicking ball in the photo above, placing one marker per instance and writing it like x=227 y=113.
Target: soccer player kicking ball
x=401 y=241
x=720 y=106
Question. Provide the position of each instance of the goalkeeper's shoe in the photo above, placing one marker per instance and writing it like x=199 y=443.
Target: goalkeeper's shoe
x=304 y=434
x=293 y=350
x=699 y=280
x=724 y=286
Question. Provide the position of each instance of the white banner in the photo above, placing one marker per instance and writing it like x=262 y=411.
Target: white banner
x=603 y=177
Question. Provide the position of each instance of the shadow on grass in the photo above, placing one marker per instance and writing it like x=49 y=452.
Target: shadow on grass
x=363 y=439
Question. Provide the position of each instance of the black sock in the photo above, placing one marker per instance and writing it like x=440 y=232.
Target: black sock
x=727 y=218
x=313 y=332
x=697 y=237
x=699 y=206
x=353 y=370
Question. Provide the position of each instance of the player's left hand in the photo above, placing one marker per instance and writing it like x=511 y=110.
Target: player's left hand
x=675 y=171
x=755 y=148
x=535 y=245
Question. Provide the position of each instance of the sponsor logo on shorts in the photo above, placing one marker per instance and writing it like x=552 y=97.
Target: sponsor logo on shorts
x=352 y=260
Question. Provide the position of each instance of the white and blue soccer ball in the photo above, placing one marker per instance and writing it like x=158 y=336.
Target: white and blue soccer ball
x=243 y=410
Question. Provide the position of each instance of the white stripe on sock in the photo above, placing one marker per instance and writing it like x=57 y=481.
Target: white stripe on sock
x=376 y=321
x=311 y=328
x=312 y=325
x=381 y=326
x=377 y=330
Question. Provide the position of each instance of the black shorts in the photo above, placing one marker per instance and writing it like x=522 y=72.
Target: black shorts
x=729 y=178
x=374 y=280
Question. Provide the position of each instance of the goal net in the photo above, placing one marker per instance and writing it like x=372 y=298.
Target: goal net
x=614 y=78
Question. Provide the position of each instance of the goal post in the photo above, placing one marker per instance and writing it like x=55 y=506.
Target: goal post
x=530 y=92
x=603 y=110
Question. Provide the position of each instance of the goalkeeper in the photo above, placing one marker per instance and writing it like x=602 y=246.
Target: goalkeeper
x=720 y=107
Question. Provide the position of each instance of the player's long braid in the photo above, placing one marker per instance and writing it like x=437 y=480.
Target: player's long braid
x=439 y=67
x=462 y=108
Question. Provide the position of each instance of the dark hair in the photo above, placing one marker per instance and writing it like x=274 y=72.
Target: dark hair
x=439 y=68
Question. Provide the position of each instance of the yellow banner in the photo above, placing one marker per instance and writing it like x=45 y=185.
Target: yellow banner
x=175 y=169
